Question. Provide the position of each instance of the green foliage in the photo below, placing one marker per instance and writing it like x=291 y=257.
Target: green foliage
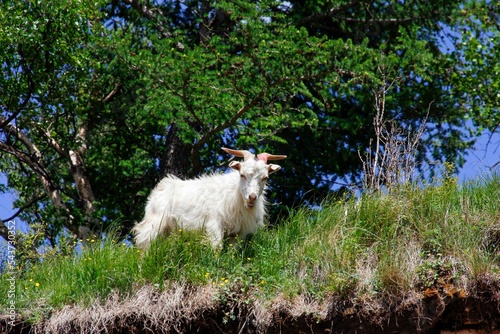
x=477 y=69
x=376 y=247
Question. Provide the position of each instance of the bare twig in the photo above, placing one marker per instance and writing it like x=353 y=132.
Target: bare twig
x=392 y=159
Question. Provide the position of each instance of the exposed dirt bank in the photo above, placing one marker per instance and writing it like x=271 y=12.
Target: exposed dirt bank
x=184 y=309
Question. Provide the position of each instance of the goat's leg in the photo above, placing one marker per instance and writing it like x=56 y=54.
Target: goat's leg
x=215 y=233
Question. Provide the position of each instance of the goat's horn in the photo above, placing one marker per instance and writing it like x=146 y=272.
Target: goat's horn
x=246 y=155
x=266 y=156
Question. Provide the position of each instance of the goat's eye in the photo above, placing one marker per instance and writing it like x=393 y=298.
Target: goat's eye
x=243 y=176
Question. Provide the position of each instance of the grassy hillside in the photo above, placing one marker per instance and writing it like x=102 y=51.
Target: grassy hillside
x=408 y=244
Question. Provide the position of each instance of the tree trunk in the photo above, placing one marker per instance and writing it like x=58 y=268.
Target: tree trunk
x=204 y=26
x=83 y=187
x=176 y=159
x=32 y=157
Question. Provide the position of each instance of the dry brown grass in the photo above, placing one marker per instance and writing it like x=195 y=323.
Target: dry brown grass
x=187 y=309
x=147 y=309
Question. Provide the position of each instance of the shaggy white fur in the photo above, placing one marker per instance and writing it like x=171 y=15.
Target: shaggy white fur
x=221 y=205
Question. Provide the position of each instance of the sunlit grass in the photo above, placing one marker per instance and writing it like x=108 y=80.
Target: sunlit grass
x=375 y=245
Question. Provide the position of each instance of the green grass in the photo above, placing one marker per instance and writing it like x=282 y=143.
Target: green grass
x=374 y=246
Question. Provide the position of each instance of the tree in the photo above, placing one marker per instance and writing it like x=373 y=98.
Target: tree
x=100 y=101
x=474 y=51
x=46 y=95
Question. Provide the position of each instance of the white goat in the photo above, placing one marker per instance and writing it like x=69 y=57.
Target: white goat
x=221 y=205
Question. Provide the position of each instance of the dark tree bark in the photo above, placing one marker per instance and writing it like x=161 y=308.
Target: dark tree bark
x=176 y=159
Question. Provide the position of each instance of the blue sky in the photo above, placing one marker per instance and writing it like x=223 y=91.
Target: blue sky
x=482 y=158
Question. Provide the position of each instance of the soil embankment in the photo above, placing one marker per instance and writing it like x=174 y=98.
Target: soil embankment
x=206 y=310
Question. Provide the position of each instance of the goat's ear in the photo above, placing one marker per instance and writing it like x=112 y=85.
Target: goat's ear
x=273 y=168
x=236 y=165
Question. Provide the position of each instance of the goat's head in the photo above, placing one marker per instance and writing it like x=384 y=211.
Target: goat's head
x=254 y=173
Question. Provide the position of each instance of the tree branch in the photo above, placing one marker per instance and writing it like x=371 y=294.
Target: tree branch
x=22 y=208
x=149 y=14
x=112 y=93
x=26 y=69
x=54 y=143
x=329 y=14
x=207 y=135
x=34 y=160
x=333 y=13
x=83 y=186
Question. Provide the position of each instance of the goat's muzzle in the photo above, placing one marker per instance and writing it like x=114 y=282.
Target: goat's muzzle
x=250 y=202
